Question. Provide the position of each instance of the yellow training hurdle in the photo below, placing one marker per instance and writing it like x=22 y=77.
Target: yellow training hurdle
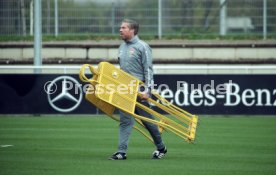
x=111 y=88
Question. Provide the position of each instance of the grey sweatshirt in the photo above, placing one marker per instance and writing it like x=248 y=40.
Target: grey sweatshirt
x=135 y=58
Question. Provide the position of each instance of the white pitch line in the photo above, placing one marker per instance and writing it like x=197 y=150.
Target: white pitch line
x=5 y=146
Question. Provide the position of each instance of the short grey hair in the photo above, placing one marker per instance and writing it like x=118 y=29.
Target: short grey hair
x=132 y=25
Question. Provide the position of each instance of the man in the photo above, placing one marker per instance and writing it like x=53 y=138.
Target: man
x=135 y=58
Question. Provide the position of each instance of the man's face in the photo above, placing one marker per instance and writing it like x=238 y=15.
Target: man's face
x=125 y=32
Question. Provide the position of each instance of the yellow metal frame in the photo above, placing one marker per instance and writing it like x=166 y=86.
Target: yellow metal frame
x=105 y=92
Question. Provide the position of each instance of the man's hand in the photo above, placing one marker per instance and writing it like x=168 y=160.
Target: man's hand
x=144 y=96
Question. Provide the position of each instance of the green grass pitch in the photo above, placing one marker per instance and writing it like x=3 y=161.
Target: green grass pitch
x=74 y=145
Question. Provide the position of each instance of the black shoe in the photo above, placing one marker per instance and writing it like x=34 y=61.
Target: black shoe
x=118 y=156
x=159 y=154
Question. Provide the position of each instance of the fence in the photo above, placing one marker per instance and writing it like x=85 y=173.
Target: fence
x=157 y=18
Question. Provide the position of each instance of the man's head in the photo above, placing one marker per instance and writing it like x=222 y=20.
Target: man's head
x=129 y=28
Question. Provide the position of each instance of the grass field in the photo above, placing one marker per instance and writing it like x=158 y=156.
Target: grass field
x=81 y=145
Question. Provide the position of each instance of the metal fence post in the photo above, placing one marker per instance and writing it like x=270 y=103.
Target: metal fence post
x=264 y=19
x=32 y=18
x=56 y=18
x=223 y=16
x=37 y=35
x=113 y=18
x=160 y=19
x=23 y=17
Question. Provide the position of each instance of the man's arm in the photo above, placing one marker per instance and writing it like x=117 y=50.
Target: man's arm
x=147 y=68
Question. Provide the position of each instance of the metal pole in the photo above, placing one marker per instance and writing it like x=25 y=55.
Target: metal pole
x=23 y=17
x=160 y=19
x=113 y=18
x=264 y=19
x=48 y=23
x=18 y=17
x=32 y=18
x=56 y=18
x=223 y=15
x=37 y=34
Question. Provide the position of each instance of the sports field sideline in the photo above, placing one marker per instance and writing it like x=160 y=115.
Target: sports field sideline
x=76 y=145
